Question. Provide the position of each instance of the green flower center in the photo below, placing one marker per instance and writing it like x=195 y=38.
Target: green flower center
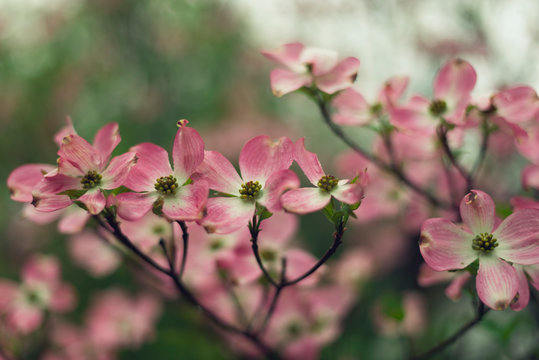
x=376 y=109
x=250 y=190
x=327 y=182
x=166 y=185
x=91 y=180
x=437 y=107
x=484 y=242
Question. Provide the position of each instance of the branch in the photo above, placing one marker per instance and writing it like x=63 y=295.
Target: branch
x=185 y=238
x=481 y=311
x=442 y=136
x=275 y=297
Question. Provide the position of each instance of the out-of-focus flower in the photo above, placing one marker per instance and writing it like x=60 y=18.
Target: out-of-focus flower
x=90 y=251
x=308 y=66
x=407 y=317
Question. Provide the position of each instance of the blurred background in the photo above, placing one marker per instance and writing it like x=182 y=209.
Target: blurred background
x=146 y=64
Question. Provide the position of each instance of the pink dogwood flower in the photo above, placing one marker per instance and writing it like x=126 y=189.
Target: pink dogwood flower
x=86 y=167
x=307 y=200
x=447 y=246
x=452 y=88
x=158 y=185
x=307 y=66
x=264 y=177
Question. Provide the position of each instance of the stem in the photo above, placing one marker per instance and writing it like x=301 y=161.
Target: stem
x=254 y=229
x=392 y=169
x=275 y=298
x=185 y=238
x=182 y=289
x=442 y=136
x=481 y=311
x=483 y=148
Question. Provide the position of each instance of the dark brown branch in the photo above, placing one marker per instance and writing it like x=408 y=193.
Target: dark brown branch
x=481 y=311
x=275 y=298
x=185 y=238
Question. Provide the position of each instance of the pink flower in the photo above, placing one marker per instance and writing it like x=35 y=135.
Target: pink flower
x=452 y=88
x=265 y=176
x=91 y=252
x=307 y=66
x=446 y=246
x=306 y=200
x=157 y=184
x=85 y=167
x=354 y=110
x=41 y=289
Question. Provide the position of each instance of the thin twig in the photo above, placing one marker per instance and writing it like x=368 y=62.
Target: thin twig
x=185 y=238
x=481 y=311
x=275 y=298
x=442 y=136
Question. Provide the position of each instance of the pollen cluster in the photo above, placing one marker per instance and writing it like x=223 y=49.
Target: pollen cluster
x=91 y=179
x=166 y=185
x=250 y=190
x=484 y=242
x=437 y=107
x=328 y=182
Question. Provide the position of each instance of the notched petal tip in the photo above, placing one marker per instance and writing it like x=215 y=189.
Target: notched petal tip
x=67 y=139
x=470 y=197
x=35 y=200
x=501 y=305
x=182 y=122
x=424 y=240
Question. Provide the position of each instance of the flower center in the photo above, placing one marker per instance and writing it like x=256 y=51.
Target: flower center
x=250 y=190
x=376 y=109
x=484 y=242
x=91 y=179
x=437 y=107
x=166 y=185
x=327 y=182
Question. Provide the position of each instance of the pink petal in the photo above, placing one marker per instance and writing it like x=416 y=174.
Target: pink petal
x=305 y=200
x=308 y=162
x=48 y=203
x=24 y=319
x=285 y=81
x=106 y=140
x=39 y=217
x=118 y=170
x=454 y=290
x=188 y=202
x=261 y=157
x=533 y=273
x=278 y=229
x=80 y=154
x=8 y=292
x=530 y=177
x=496 y=282
x=41 y=268
x=152 y=164
x=340 y=77
x=429 y=277
x=133 y=206
x=57 y=183
x=227 y=214
x=64 y=298
x=297 y=263
x=94 y=201
x=187 y=152
x=65 y=131
x=219 y=173
x=517 y=104
x=445 y=246
x=321 y=61
x=276 y=185
x=393 y=89
x=287 y=54
x=22 y=180
x=518 y=237
x=65 y=167
x=455 y=81
x=348 y=193
x=73 y=220
x=352 y=108
x=523 y=293
x=477 y=210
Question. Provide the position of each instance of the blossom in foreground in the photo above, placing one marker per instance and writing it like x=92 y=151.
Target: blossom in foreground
x=447 y=246
x=307 y=200
x=309 y=65
x=158 y=185
x=85 y=167
x=264 y=177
